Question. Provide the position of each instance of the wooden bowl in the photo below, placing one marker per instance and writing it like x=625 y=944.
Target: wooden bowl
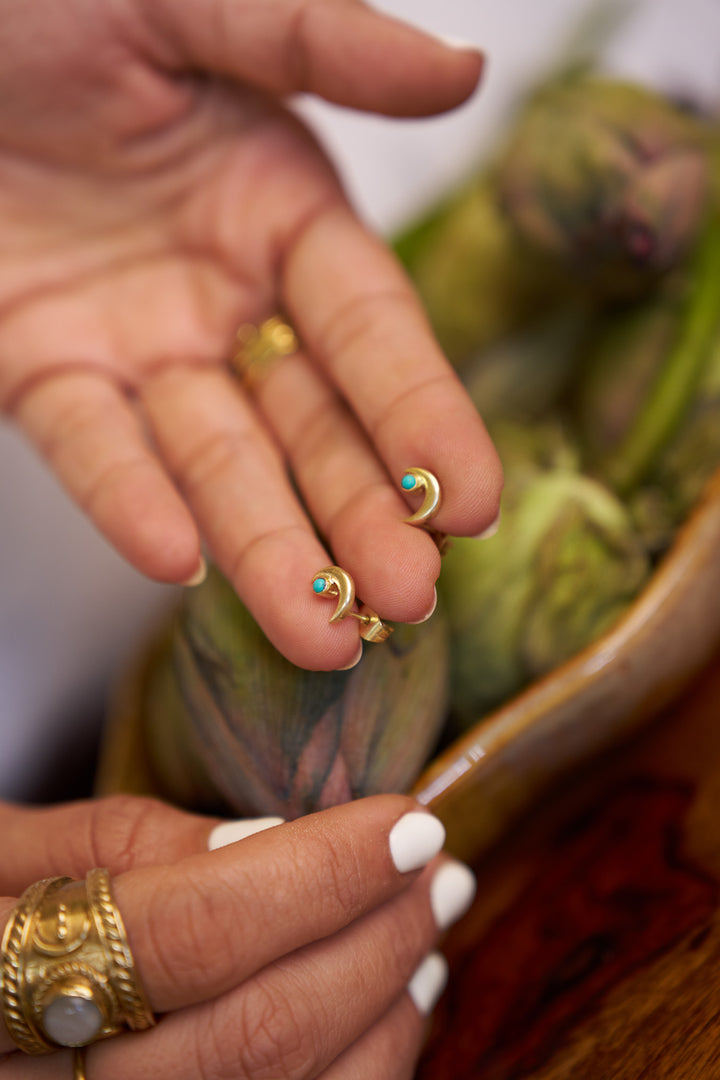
x=486 y=779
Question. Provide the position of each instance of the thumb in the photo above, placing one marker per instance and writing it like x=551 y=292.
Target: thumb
x=341 y=50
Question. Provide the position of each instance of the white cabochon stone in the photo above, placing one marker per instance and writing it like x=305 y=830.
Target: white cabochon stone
x=72 y=1021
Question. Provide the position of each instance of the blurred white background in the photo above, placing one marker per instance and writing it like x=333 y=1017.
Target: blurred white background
x=71 y=612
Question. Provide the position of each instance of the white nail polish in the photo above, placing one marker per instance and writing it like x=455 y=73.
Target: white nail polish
x=415 y=839
x=428 y=614
x=490 y=531
x=199 y=576
x=428 y=982
x=452 y=891
x=229 y=832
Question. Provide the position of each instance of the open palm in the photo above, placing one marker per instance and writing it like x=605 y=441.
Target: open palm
x=155 y=193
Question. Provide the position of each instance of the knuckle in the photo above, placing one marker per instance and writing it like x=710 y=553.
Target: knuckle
x=72 y=419
x=261 y=1034
x=344 y=880
x=215 y=456
x=186 y=921
x=276 y=1038
x=101 y=487
x=372 y=316
x=123 y=831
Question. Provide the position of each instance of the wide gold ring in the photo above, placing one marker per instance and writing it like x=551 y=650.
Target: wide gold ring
x=260 y=347
x=68 y=977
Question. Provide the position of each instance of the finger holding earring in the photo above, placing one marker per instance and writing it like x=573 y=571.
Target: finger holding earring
x=336 y=582
x=420 y=480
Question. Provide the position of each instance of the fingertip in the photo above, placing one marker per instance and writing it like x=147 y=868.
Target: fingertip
x=396 y=569
x=198 y=576
x=275 y=580
x=415 y=73
x=458 y=450
x=468 y=64
x=154 y=531
x=441 y=72
x=428 y=613
x=355 y=660
x=305 y=637
x=490 y=530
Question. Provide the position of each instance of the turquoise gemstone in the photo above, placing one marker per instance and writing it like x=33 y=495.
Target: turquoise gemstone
x=319 y=584
x=408 y=481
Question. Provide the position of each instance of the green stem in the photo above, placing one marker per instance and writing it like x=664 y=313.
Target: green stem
x=670 y=396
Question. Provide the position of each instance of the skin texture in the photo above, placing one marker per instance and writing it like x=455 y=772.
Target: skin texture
x=155 y=194
x=307 y=932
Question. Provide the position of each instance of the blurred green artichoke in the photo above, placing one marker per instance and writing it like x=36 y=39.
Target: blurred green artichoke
x=233 y=724
x=474 y=279
x=563 y=566
x=608 y=176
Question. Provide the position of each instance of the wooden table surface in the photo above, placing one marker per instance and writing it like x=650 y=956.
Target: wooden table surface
x=593 y=946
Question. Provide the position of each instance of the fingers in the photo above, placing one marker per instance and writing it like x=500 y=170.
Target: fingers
x=389 y=1050
x=350 y=1013
x=295 y=1016
x=277 y=891
x=235 y=481
x=92 y=438
x=360 y=319
x=252 y=903
x=287 y=950
x=342 y=50
x=120 y=833
x=348 y=492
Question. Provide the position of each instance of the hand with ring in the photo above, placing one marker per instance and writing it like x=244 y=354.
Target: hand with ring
x=156 y=194
x=305 y=950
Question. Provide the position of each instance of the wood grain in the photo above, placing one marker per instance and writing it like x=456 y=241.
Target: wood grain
x=593 y=949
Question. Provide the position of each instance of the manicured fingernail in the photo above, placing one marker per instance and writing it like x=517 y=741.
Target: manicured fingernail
x=229 y=832
x=353 y=663
x=452 y=891
x=199 y=576
x=415 y=839
x=490 y=531
x=462 y=44
x=428 y=982
x=429 y=613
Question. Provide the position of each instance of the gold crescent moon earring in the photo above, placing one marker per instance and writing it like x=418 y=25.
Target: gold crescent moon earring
x=334 y=581
x=422 y=480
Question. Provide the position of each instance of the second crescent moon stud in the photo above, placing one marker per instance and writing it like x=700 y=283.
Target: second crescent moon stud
x=427 y=483
x=336 y=582
x=423 y=481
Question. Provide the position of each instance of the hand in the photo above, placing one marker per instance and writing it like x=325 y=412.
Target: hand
x=154 y=195
x=286 y=954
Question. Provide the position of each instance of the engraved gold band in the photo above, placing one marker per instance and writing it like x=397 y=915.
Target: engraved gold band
x=68 y=976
